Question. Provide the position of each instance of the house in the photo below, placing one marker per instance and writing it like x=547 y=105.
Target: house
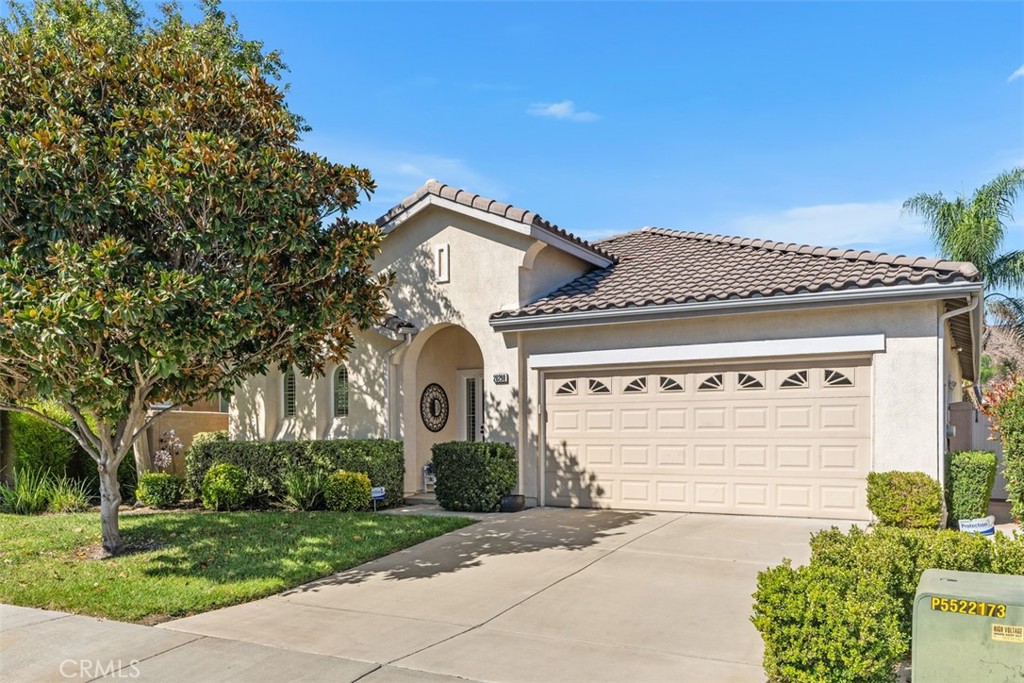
x=653 y=370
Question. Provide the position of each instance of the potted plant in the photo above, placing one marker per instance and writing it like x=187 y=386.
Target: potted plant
x=513 y=502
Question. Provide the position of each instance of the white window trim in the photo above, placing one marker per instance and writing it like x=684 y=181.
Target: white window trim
x=442 y=263
x=777 y=348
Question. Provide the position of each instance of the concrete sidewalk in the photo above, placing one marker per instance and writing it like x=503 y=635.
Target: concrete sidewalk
x=39 y=646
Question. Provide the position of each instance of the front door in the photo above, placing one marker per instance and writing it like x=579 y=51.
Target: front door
x=471 y=405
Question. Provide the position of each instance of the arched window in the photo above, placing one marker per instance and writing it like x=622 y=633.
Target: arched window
x=288 y=391
x=341 y=392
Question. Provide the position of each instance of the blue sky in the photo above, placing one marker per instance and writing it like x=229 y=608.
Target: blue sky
x=806 y=122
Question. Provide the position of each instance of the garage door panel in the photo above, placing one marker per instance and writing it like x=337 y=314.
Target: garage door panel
x=787 y=440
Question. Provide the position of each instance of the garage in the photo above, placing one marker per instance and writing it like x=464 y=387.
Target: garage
x=786 y=439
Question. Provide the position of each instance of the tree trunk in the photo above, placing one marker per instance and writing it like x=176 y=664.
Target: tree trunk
x=6 y=449
x=110 y=502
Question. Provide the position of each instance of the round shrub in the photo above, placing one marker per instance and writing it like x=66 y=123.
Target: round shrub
x=969 y=482
x=825 y=623
x=347 y=491
x=224 y=487
x=159 y=489
x=910 y=500
x=472 y=476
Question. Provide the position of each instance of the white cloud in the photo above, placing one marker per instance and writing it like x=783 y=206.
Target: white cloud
x=1019 y=73
x=564 y=110
x=878 y=225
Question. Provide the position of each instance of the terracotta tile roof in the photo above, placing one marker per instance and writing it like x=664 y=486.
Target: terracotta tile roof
x=476 y=201
x=658 y=267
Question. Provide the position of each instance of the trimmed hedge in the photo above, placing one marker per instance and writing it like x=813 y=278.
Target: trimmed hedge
x=969 y=480
x=472 y=476
x=800 y=640
x=159 y=489
x=910 y=500
x=826 y=623
x=348 y=491
x=265 y=463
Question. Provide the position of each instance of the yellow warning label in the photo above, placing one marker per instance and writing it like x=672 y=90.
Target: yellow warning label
x=1008 y=633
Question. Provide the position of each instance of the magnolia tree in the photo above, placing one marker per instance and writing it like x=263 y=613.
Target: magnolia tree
x=162 y=235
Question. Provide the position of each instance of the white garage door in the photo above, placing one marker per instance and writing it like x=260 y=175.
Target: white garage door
x=792 y=440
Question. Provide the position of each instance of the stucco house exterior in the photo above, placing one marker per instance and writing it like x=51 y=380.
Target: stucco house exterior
x=653 y=370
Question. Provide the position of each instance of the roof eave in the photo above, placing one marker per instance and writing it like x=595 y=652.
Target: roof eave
x=899 y=293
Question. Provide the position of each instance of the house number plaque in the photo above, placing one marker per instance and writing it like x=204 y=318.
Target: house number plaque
x=500 y=377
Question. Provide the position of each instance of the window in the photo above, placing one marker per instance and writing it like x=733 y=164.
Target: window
x=472 y=419
x=798 y=380
x=341 y=391
x=441 y=263
x=712 y=383
x=596 y=386
x=834 y=378
x=669 y=384
x=567 y=389
x=747 y=381
x=288 y=392
x=224 y=404
x=637 y=386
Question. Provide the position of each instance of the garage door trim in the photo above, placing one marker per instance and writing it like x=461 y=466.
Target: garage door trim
x=717 y=351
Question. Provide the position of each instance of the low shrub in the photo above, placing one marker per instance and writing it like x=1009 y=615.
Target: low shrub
x=266 y=463
x=969 y=480
x=160 y=489
x=347 y=491
x=67 y=495
x=910 y=500
x=472 y=476
x=826 y=623
x=28 y=494
x=224 y=487
x=303 y=490
x=891 y=557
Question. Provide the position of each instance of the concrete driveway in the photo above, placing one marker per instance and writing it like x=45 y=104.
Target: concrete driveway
x=543 y=595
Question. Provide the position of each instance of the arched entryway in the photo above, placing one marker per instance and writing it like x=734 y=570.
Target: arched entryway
x=443 y=395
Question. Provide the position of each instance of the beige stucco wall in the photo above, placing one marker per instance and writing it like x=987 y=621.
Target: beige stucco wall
x=904 y=376
x=490 y=267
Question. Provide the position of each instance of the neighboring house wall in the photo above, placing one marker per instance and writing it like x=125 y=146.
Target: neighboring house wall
x=905 y=376
x=186 y=424
x=974 y=433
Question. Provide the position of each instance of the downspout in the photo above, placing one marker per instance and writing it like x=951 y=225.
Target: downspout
x=392 y=389
x=940 y=340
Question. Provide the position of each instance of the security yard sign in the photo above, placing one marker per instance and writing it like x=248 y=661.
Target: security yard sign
x=968 y=627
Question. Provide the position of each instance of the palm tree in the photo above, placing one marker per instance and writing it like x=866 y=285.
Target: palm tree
x=972 y=229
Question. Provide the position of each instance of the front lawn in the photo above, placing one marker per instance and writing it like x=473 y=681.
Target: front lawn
x=190 y=562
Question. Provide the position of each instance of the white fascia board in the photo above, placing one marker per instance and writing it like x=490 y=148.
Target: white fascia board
x=507 y=223
x=711 y=308
x=768 y=348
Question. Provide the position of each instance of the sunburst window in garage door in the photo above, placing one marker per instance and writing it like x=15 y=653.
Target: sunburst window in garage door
x=834 y=378
x=637 y=386
x=797 y=380
x=596 y=386
x=668 y=384
x=712 y=383
x=567 y=388
x=745 y=380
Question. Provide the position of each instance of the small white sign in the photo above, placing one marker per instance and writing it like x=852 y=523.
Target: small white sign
x=985 y=526
x=377 y=492
x=500 y=378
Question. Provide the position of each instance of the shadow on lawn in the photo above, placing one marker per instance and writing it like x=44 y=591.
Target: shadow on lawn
x=291 y=547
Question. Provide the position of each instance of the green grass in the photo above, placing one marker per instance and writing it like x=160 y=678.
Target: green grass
x=199 y=561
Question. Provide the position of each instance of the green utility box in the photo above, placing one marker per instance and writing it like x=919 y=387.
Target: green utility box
x=968 y=627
